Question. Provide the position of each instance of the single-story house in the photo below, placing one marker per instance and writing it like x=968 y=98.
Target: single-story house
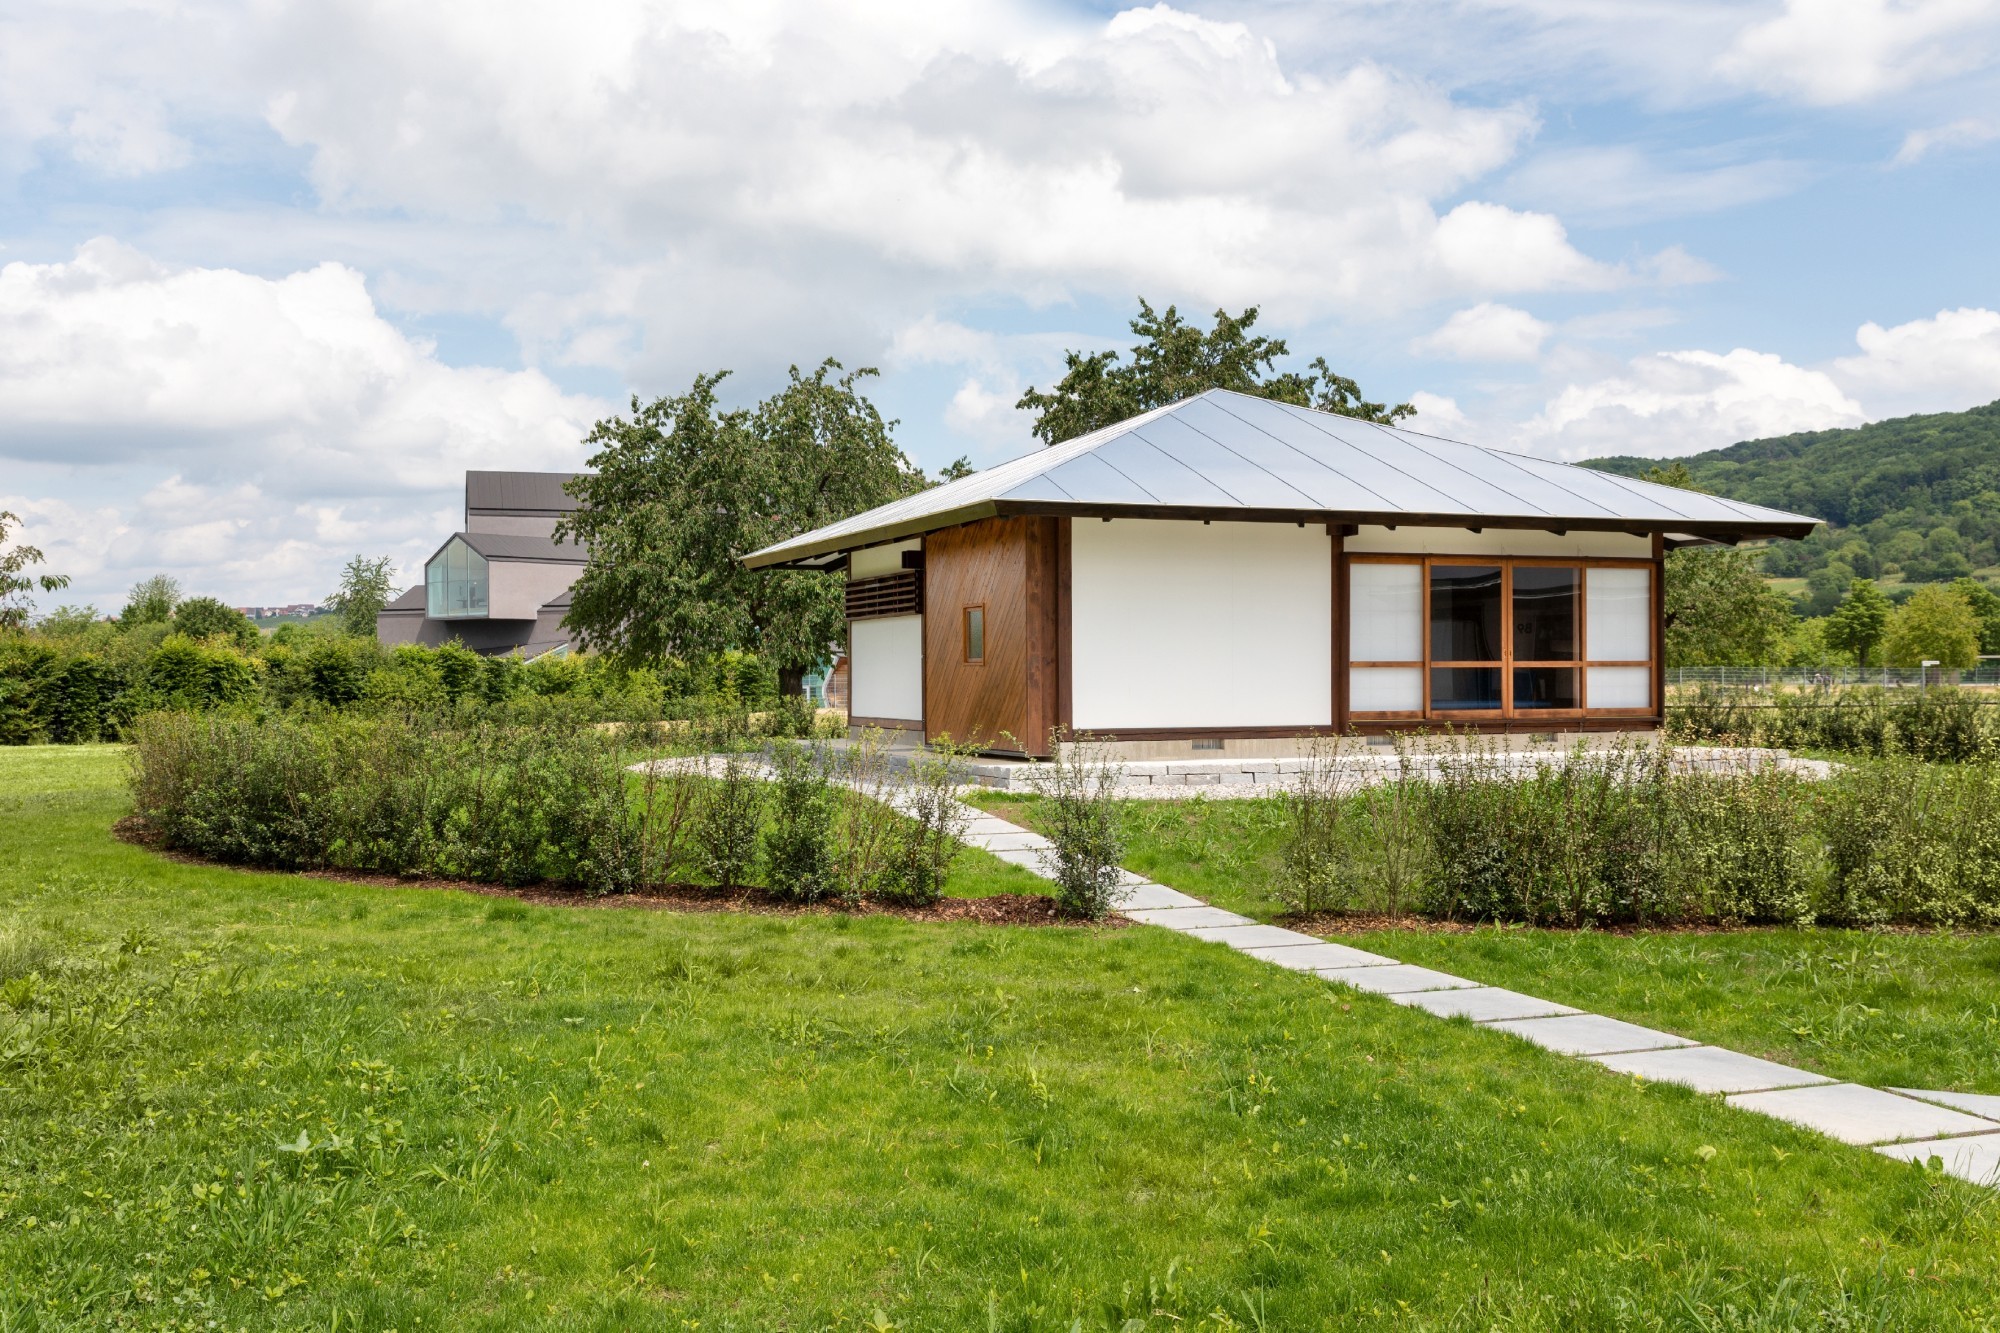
x=502 y=584
x=1232 y=573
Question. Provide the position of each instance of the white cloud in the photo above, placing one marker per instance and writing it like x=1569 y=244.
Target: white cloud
x=1621 y=184
x=1828 y=52
x=1673 y=403
x=1946 y=362
x=1437 y=415
x=123 y=135
x=1486 y=332
x=988 y=146
x=295 y=420
x=1967 y=133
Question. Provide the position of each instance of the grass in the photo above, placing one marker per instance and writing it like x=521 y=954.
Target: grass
x=1225 y=851
x=243 y=1100
x=1889 y=1009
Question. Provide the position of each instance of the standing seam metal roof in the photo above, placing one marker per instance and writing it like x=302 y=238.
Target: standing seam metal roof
x=1223 y=454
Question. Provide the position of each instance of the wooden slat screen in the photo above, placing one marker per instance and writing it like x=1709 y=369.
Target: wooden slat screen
x=898 y=594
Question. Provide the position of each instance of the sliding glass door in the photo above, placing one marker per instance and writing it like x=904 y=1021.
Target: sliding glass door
x=1465 y=639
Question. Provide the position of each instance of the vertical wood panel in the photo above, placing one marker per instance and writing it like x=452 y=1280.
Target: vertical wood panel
x=1007 y=701
x=1065 y=691
x=1659 y=625
x=1340 y=627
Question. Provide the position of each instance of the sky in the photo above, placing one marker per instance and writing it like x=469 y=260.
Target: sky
x=273 y=276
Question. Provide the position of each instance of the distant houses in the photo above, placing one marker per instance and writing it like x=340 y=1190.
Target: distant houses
x=501 y=584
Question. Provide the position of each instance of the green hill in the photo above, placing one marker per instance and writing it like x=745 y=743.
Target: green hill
x=1911 y=500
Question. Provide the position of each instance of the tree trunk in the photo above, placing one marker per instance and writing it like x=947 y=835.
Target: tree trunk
x=791 y=680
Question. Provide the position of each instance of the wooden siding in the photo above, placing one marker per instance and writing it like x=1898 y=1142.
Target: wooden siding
x=1009 y=700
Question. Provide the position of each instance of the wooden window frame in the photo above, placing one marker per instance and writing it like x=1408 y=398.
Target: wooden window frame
x=965 y=634
x=1580 y=664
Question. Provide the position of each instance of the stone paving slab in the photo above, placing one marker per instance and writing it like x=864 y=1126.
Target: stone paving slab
x=989 y=824
x=1976 y=1159
x=1482 y=1004
x=1024 y=857
x=1709 y=1069
x=1148 y=894
x=1188 y=918
x=1395 y=979
x=1252 y=936
x=1973 y=1103
x=1589 y=1034
x=1017 y=841
x=1854 y=1114
x=1318 y=956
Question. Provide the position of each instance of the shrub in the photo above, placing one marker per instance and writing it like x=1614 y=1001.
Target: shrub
x=1080 y=819
x=1318 y=872
x=866 y=822
x=184 y=673
x=732 y=808
x=798 y=844
x=925 y=842
x=1942 y=725
x=1744 y=847
x=1911 y=842
x=508 y=804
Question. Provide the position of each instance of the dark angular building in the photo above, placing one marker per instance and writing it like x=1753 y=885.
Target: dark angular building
x=502 y=584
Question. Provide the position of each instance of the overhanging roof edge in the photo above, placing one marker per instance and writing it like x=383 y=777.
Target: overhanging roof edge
x=789 y=552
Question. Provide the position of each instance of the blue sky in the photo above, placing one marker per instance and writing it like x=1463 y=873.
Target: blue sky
x=272 y=277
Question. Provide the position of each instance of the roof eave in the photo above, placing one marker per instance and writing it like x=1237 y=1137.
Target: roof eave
x=794 y=553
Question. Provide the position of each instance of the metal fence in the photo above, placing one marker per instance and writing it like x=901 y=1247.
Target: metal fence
x=1986 y=673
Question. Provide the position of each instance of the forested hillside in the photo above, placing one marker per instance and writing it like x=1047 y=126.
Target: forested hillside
x=1912 y=500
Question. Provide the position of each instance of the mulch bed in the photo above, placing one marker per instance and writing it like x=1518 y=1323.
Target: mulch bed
x=1002 y=909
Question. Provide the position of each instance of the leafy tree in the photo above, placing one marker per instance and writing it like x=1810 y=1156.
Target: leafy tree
x=1176 y=360
x=15 y=582
x=1937 y=624
x=364 y=590
x=205 y=617
x=682 y=490
x=151 y=601
x=955 y=469
x=1859 y=622
x=1719 y=610
x=67 y=621
x=1985 y=606
x=1673 y=474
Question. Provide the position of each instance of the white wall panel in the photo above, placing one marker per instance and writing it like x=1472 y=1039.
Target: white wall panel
x=1620 y=687
x=878 y=560
x=886 y=667
x=1385 y=613
x=1187 y=625
x=1618 y=615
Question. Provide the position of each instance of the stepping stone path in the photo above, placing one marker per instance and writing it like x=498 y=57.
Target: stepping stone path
x=1959 y=1130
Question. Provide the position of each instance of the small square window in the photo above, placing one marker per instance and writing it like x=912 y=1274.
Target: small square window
x=975 y=634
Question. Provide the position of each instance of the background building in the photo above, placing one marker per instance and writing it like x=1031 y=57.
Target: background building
x=502 y=584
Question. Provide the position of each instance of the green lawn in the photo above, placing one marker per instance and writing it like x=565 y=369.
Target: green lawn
x=1225 y=851
x=242 y=1100
x=1892 y=1010
x=1888 y=1009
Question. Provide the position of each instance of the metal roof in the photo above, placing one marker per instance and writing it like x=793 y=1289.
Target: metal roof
x=519 y=492
x=1225 y=455
x=412 y=599
x=518 y=546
